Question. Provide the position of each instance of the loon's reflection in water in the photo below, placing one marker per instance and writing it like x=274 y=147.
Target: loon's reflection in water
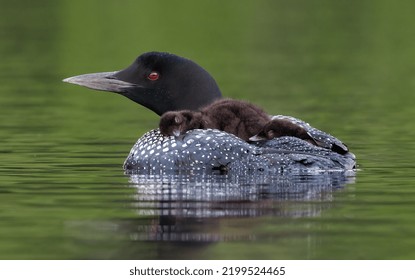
x=193 y=208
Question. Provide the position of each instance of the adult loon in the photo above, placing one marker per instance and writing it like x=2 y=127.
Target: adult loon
x=166 y=82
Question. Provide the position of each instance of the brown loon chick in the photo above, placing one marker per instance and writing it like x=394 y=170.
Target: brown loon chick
x=278 y=127
x=239 y=118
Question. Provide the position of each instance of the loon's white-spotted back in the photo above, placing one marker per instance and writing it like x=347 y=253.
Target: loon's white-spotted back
x=214 y=151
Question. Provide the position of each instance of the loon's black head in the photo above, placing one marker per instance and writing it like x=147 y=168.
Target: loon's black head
x=159 y=81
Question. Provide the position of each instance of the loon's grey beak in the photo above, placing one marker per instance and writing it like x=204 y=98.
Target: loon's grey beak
x=105 y=81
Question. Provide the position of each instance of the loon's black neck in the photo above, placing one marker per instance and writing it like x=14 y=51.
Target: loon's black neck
x=159 y=81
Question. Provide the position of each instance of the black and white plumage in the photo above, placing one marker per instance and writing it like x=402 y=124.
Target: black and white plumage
x=213 y=151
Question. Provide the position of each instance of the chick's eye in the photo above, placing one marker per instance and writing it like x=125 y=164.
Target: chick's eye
x=153 y=76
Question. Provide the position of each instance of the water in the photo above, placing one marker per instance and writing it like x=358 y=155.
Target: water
x=345 y=67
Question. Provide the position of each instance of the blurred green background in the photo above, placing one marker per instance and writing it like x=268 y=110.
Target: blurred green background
x=346 y=67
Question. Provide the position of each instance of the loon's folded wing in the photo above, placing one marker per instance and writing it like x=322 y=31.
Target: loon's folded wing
x=322 y=138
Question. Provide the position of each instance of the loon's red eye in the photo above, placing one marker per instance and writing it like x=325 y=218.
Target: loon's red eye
x=153 y=76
